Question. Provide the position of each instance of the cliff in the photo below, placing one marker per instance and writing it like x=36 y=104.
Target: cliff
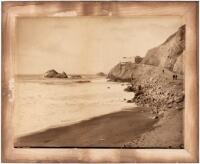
x=127 y=71
x=122 y=71
x=155 y=76
x=156 y=89
x=166 y=54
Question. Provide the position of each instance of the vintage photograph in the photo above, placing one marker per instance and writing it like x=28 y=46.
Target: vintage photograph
x=99 y=82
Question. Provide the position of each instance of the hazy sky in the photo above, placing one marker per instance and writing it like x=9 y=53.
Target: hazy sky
x=86 y=44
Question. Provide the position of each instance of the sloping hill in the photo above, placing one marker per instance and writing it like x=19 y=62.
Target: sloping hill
x=156 y=75
x=128 y=71
x=156 y=88
x=166 y=54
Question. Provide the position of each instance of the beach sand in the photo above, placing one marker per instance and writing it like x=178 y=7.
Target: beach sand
x=110 y=130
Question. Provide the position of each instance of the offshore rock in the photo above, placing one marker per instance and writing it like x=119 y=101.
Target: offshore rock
x=54 y=74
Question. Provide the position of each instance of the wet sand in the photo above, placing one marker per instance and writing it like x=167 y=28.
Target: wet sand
x=111 y=130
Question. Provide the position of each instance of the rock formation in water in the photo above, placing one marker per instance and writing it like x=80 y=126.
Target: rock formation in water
x=61 y=75
x=54 y=74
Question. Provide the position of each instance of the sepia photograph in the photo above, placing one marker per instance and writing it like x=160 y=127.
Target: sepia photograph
x=101 y=79
x=99 y=82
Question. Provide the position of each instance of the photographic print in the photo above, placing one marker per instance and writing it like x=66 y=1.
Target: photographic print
x=99 y=81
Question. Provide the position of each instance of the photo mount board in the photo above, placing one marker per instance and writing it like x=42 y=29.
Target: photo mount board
x=11 y=11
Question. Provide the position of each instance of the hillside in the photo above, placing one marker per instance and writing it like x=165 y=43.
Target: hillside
x=166 y=54
x=156 y=88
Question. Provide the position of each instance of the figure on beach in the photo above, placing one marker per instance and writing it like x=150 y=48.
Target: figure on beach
x=175 y=77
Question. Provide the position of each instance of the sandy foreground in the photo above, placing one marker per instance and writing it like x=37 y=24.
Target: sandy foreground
x=133 y=127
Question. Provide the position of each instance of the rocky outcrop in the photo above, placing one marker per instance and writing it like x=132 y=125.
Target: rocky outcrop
x=51 y=73
x=126 y=72
x=159 y=93
x=122 y=71
x=152 y=81
x=54 y=74
x=61 y=75
x=138 y=59
x=155 y=87
x=167 y=53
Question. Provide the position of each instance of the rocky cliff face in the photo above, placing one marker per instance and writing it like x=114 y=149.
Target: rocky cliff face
x=158 y=89
x=166 y=54
x=130 y=71
x=122 y=71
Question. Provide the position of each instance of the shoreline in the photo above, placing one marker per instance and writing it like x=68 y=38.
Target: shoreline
x=131 y=128
x=156 y=90
x=74 y=102
x=99 y=131
x=144 y=137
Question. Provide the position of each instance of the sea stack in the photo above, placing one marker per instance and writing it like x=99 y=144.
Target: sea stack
x=54 y=74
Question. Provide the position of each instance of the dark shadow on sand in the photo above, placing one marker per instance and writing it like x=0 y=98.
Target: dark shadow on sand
x=111 y=130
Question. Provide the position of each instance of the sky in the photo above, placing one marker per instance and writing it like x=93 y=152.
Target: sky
x=86 y=45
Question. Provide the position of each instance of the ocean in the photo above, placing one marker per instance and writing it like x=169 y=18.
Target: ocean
x=42 y=103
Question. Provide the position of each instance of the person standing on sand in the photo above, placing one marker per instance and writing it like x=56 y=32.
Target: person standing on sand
x=175 y=77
